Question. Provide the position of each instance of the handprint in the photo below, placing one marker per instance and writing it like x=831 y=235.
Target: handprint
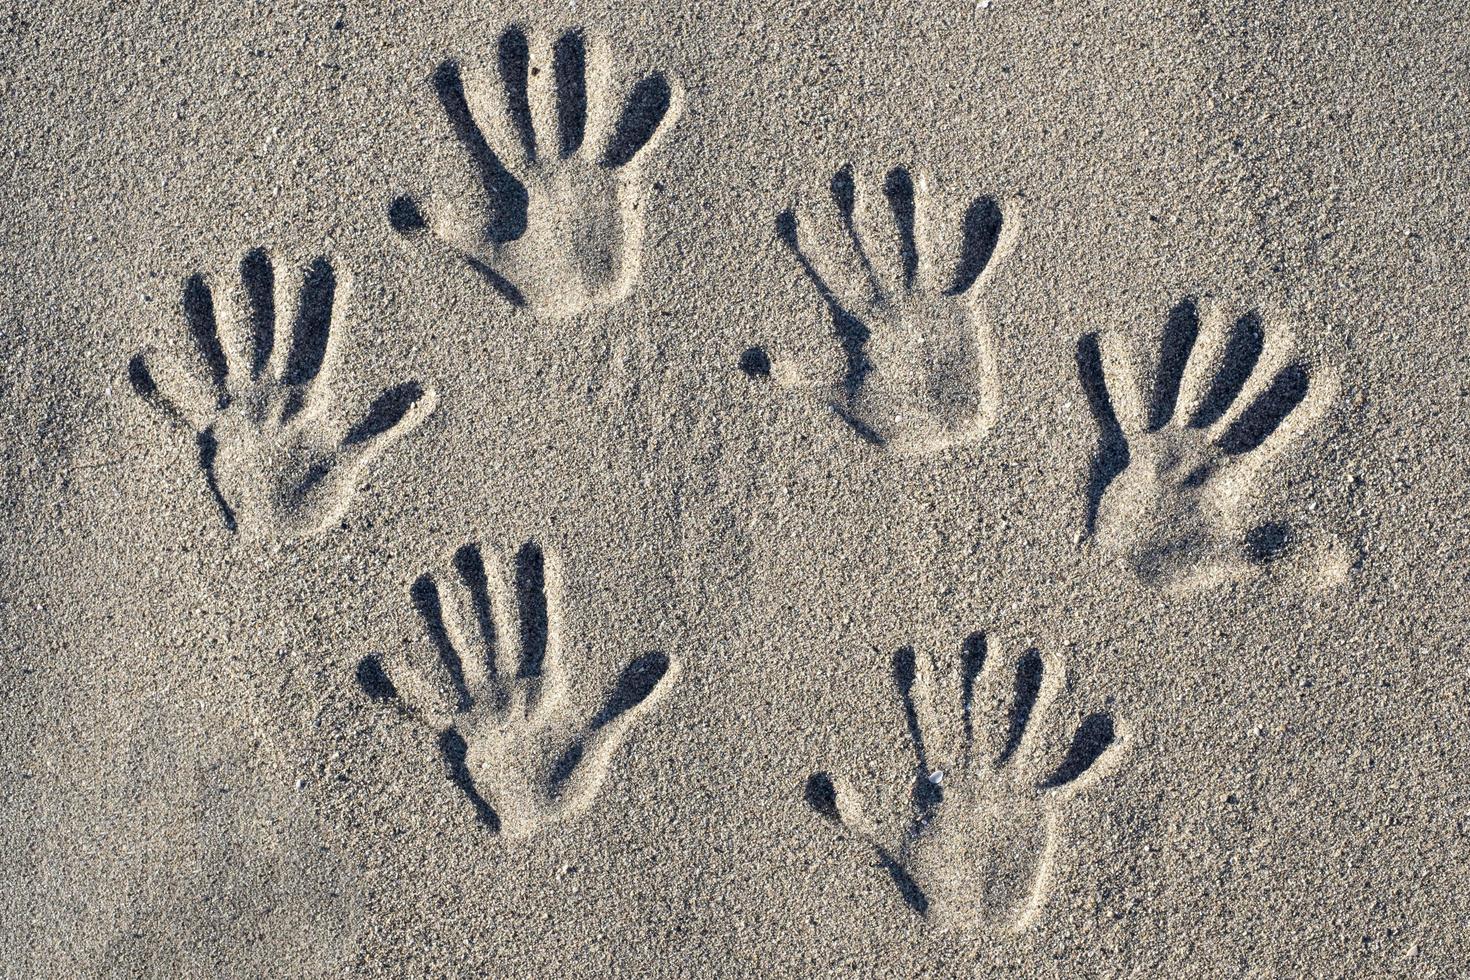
x=259 y=409
x=497 y=694
x=557 y=224
x=1176 y=466
x=918 y=370
x=984 y=818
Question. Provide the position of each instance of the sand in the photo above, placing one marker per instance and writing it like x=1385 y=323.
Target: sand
x=722 y=490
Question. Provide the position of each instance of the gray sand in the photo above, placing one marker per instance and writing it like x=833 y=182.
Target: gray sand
x=1162 y=403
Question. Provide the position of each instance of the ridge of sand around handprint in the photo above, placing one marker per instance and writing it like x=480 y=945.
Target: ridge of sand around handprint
x=918 y=371
x=555 y=220
x=492 y=684
x=1175 y=478
x=257 y=398
x=989 y=795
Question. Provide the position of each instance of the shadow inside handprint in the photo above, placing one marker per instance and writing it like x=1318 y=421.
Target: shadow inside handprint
x=557 y=223
x=1176 y=467
x=979 y=845
x=259 y=409
x=498 y=695
x=918 y=371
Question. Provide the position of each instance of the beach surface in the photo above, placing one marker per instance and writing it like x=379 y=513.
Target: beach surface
x=724 y=489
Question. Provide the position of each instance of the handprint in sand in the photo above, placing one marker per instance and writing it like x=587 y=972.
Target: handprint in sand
x=917 y=371
x=989 y=796
x=1173 y=481
x=555 y=221
x=496 y=692
x=258 y=401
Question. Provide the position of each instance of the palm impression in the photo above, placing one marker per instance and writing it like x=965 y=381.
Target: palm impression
x=259 y=400
x=1178 y=464
x=496 y=693
x=556 y=220
x=917 y=369
x=988 y=797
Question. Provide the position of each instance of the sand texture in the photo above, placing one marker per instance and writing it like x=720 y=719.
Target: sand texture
x=725 y=489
